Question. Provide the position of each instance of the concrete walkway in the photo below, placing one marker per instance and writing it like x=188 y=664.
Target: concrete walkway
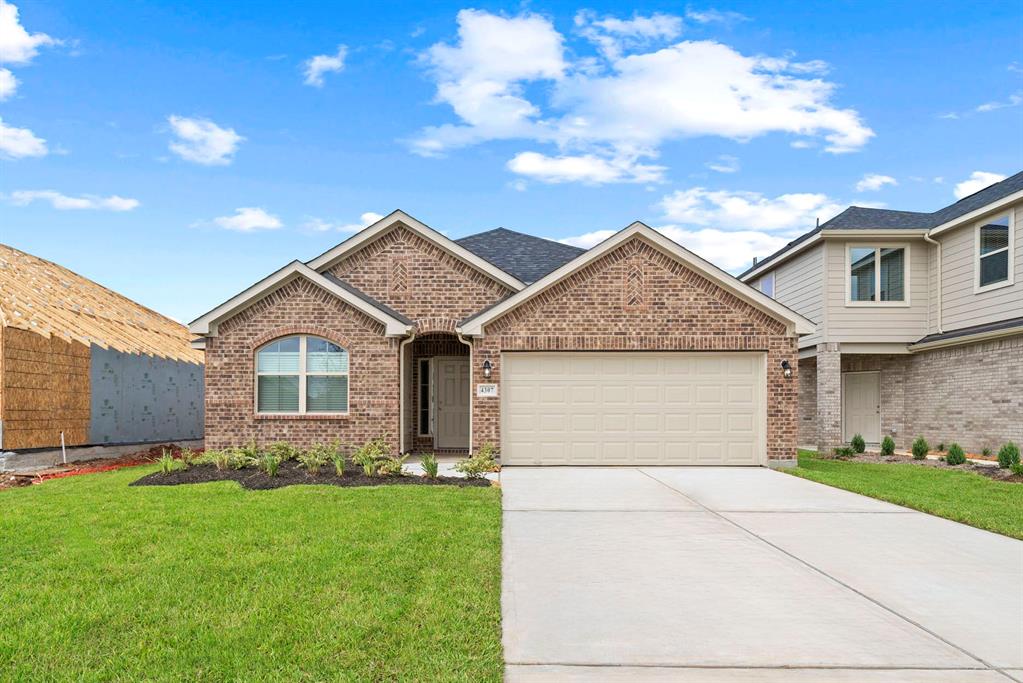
x=746 y=574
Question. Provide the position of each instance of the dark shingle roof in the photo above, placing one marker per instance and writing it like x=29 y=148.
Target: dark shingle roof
x=863 y=218
x=526 y=257
x=1011 y=324
x=367 y=298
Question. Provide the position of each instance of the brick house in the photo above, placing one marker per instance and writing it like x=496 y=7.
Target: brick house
x=635 y=351
x=918 y=322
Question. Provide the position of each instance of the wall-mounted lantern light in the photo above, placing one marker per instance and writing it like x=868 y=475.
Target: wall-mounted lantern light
x=786 y=369
x=487 y=368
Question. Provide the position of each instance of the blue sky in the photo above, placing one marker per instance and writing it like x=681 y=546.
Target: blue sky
x=177 y=152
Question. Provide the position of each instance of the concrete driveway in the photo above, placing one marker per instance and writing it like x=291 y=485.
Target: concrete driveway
x=746 y=574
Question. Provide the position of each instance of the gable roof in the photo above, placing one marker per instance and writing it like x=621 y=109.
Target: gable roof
x=864 y=218
x=473 y=326
x=399 y=217
x=526 y=257
x=50 y=300
x=395 y=324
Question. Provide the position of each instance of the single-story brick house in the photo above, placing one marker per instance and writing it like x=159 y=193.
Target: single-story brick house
x=636 y=351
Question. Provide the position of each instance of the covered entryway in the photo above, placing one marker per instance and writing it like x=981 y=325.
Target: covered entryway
x=622 y=408
x=437 y=401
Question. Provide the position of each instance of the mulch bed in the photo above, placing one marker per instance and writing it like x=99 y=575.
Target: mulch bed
x=292 y=473
x=995 y=473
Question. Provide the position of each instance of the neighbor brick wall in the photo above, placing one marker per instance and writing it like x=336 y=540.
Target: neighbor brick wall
x=829 y=397
x=609 y=306
x=808 y=402
x=300 y=307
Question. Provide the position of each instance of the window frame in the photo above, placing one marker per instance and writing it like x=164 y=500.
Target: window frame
x=877 y=247
x=428 y=423
x=769 y=276
x=303 y=373
x=1010 y=249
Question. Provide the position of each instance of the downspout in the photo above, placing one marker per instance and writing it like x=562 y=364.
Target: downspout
x=472 y=370
x=401 y=391
x=937 y=276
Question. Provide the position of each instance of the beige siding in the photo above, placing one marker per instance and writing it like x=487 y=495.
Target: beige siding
x=799 y=284
x=876 y=323
x=961 y=307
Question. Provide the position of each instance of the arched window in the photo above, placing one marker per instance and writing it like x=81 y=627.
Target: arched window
x=301 y=375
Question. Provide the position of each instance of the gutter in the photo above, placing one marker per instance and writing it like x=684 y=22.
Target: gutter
x=965 y=339
x=472 y=369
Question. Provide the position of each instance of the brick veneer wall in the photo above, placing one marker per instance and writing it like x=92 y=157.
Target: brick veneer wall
x=609 y=306
x=300 y=307
x=808 y=402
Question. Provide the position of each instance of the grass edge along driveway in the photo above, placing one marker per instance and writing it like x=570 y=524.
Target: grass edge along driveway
x=960 y=496
x=104 y=581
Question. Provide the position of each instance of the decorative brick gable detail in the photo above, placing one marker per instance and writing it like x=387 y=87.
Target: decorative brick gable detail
x=300 y=307
x=681 y=311
x=438 y=286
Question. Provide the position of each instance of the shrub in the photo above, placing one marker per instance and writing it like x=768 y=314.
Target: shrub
x=844 y=452
x=369 y=455
x=392 y=464
x=887 y=446
x=1008 y=455
x=339 y=463
x=1017 y=468
x=858 y=444
x=920 y=448
x=269 y=463
x=477 y=465
x=221 y=459
x=188 y=457
x=283 y=450
x=313 y=459
x=241 y=457
x=955 y=455
x=430 y=466
x=986 y=452
x=168 y=463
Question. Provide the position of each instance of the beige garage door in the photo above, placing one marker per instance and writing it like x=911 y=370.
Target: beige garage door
x=630 y=408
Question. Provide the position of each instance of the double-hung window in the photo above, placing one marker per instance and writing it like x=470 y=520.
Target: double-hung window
x=878 y=275
x=994 y=252
x=302 y=375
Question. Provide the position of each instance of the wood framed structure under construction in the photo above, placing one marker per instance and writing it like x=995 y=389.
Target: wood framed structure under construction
x=79 y=359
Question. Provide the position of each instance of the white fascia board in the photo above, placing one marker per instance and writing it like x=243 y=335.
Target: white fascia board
x=206 y=325
x=850 y=233
x=974 y=215
x=368 y=234
x=474 y=326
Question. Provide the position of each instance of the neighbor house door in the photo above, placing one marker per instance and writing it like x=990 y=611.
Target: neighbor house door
x=861 y=405
x=452 y=422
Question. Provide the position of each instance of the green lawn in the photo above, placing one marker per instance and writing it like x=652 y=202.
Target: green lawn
x=99 y=581
x=961 y=496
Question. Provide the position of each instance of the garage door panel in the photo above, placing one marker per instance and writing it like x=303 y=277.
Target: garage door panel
x=620 y=408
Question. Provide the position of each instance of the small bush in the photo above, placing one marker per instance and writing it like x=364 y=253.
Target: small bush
x=269 y=463
x=283 y=450
x=858 y=444
x=313 y=459
x=920 y=448
x=1017 y=468
x=339 y=463
x=188 y=457
x=242 y=457
x=887 y=446
x=369 y=455
x=168 y=463
x=392 y=464
x=1008 y=455
x=221 y=459
x=955 y=455
x=844 y=452
x=430 y=466
x=986 y=452
x=479 y=464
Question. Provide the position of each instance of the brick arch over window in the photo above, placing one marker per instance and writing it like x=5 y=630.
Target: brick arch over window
x=432 y=325
x=291 y=330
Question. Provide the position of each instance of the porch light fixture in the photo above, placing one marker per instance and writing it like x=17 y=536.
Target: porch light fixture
x=786 y=369
x=487 y=368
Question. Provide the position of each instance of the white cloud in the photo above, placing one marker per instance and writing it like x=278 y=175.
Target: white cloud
x=249 y=219
x=202 y=141
x=977 y=181
x=725 y=163
x=18 y=46
x=748 y=210
x=17 y=143
x=628 y=101
x=316 y=66
x=1013 y=101
x=586 y=168
x=8 y=84
x=63 y=202
x=320 y=225
x=874 y=181
x=713 y=16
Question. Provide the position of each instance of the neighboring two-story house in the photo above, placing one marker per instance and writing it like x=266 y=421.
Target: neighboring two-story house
x=919 y=322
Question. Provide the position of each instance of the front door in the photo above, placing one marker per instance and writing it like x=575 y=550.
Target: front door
x=452 y=376
x=861 y=405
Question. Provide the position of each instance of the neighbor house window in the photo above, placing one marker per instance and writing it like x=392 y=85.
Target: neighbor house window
x=994 y=251
x=878 y=274
x=424 y=396
x=302 y=375
x=767 y=285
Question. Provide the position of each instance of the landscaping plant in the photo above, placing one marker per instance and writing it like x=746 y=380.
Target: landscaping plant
x=339 y=463
x=986 y=452
x=479 y=464
x=221 y=459
x=1008 y=455
x=920 y=448
x=887 y=446
x=392 y=464
x=1017 y=468
x=844 y=452
x=313 y=459
x=283 y=450
x=269 y=463
x=941 y=446
x=168 y=463
x=430 y=466
x=955 y=455
x=858 y=444
x=369 y=455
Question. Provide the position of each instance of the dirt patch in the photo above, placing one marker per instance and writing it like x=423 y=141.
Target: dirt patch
x=291 y=474
x=995 y=473
x=144 y=456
